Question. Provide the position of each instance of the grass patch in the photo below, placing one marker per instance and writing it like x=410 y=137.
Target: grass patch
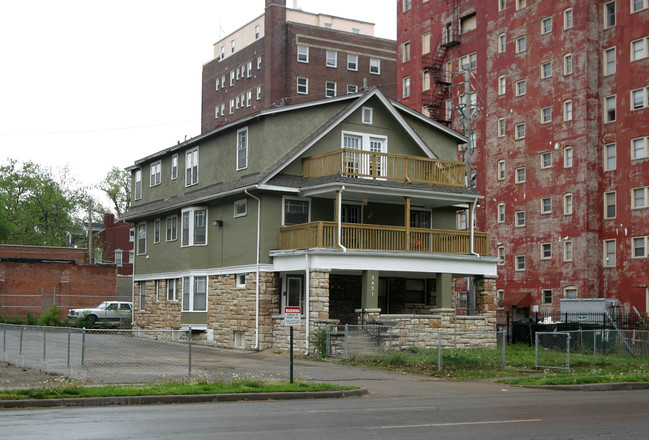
x=519 y=368
x=64 y=387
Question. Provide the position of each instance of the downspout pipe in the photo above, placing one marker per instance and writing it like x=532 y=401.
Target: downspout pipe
x=472 y=229
x=257 y=268
x=307 y=308
x=340 y=216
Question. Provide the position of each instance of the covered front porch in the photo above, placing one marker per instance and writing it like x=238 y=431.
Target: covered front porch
x=336 y=287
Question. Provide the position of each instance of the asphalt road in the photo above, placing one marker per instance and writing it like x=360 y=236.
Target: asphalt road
x=499 y=414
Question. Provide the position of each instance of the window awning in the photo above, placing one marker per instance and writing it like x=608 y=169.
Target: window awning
x=517 y=299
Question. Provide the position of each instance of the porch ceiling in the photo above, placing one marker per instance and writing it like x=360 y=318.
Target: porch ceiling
x=391 y=263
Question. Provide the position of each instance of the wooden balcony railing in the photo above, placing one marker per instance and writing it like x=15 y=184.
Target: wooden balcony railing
x=381 y=238
x=373 y=165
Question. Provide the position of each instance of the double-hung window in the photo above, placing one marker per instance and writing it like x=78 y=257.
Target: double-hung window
x=640 y=148
x=330 y=89
x=502 y=43
x=137 y=187
x=519 y=131
x=352 y=62
x=610 y=157
x=174 y=167
x=332 y=58
x=639 y=247
x=638 y=5
x=609 y=63
x=639 y=98
x=141 y=239
x=609 y=253
x=375 y=66
x=609 y=14
x=173 y=289
x=194 y=294
x=156 y=173
x=610 y=205
x=191 y=167
x=639 y=49
x=640 y=197
x=302 y=53
x=242 y=148
x=521 y=44
x=567 y=204
x=172 y=228
x=546 y=69
x=609 y=109
x=194 y=226
x=567 y=19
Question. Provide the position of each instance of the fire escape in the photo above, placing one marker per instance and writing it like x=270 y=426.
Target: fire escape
x=434 y=99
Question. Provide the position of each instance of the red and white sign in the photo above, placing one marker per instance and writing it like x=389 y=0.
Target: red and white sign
x=292 y=316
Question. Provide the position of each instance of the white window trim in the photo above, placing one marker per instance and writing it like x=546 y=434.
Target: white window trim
x=174 y=233
x=517 y=259
x=303 y=199
x=543 y=64
x=517 y=175
x=543 y=114
x=516 y=134
x=190 y=166
x=376 y=63
x=644 y=189
x=329 y=61
x=500 y=170
x=542 y=157
x=568 y=256
x=645 y=143
x=568 y=24
x=327 y=89
x=567 y=149
x=350 y=56
x=606 y=205
x=238 y=278
x=137 y=184
x=543 y=246
x=141 y=227
x=518 y=44
x=192 y=210
x=247 y=149
x=191 y=294
x=155 y=177
x=645 y=239
x=501 y=213
x=367 y=115
x=608 y=120
x=519 y=221
x=568 y=204
x=304 y=55
x=605 y=259
x=543 y=210
x=244 y=203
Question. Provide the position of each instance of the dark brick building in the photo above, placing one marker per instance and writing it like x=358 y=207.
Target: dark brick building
x=561 y=94
x=287 y=56
x=116 y=241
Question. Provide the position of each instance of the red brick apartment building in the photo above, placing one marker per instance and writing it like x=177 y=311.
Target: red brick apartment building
x=287 y=56
x=560 y=91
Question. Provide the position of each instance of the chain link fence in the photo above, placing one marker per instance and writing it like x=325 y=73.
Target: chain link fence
x=100 y=356
x=588 y=347
x=449 y=349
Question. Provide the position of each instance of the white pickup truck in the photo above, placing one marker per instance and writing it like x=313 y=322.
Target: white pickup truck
x=106 y=311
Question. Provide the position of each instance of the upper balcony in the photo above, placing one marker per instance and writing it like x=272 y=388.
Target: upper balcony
x=385 y=166
x=381 y=238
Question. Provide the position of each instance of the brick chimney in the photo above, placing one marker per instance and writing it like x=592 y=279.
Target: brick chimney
x=109 y=220
x=274 y=49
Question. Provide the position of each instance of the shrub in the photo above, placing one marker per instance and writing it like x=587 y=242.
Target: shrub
x=84 y=321
x=318 y=340
x=51 y=317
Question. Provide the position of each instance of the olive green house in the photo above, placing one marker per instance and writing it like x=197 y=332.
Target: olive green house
x=352 y=208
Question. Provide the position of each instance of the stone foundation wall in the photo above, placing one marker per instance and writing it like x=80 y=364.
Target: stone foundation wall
x=159 y=313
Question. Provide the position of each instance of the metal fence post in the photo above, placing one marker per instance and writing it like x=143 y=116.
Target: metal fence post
x=20 y=350
x=439 y=351
x=536 y=350
x=189 y=343
x=568 y=351
x=346 y=341
x=390 y=344
x=595 y=347
x=44 y=345
x=83 y=348
x=69 y=330
x=504 y=342
x=328 y=340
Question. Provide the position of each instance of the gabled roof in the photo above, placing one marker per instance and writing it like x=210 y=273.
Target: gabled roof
x=389 y=104
x=267 y=177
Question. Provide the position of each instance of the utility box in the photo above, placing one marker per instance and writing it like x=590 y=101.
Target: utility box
x=586 y=310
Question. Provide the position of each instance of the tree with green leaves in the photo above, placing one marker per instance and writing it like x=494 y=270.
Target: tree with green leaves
x=117 y=186
x=40 y=207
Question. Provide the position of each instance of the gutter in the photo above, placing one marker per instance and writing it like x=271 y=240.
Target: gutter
x=257 y=269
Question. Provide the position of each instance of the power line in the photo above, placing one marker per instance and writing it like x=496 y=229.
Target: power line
x=99 y=130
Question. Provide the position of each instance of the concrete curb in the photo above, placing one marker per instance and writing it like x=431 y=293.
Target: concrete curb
x=183 y=398
x=617 y=386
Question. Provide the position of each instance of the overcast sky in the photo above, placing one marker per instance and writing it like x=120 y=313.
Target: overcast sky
x=94 y=84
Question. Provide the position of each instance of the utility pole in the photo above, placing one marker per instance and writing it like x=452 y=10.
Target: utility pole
x=90 y=259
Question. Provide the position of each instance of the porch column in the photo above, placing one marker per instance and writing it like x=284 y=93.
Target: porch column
x=406 y=221
x=444 y=290
x=370 y=299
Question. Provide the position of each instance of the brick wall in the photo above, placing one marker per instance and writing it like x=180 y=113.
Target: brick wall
x=33 y=279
